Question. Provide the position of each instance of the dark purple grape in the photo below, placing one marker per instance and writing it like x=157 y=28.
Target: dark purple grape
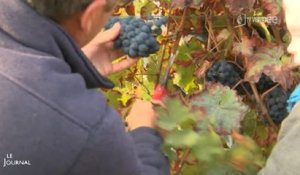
x=143 y=35
x=134 y=46
x=136 y=38
x=150 y=42
x=276 y=102
x=224 y=73
x=264 y=83
x=132 y=53
x=145 y=28
x=126 y=49
x=126 y=42
x=143 y=48
x=161 y=21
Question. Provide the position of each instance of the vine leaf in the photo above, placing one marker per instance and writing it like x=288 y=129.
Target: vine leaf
x=144 y=7
x=221 y=107
x=187 y=137
x=237 y=6
x=281 y=74
x=183 y=3
x=148 y=8
x=273 y=7
x=185 y=69
x=185 y=79
x=208 y=146
x=247 y=45
x=264 y=56
x=267 y=60
x=113 y=98
x=174 y=115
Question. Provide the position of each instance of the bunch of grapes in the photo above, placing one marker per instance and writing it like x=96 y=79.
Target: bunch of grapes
x=137 y=38
x=264 y=83
x=227 y=74
x=276 y=102
x=224 y=73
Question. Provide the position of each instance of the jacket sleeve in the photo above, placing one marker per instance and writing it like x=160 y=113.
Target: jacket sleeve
x=147 y=142
x=285 y=156
x=111 y=150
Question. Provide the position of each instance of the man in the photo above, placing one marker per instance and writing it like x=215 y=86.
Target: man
x=53 y=121
x=285 y=157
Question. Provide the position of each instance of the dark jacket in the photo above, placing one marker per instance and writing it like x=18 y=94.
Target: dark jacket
x=50 y=113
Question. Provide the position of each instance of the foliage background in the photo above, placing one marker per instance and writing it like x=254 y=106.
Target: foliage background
x=209 y=128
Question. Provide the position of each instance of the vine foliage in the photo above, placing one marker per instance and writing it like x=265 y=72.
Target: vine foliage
x=210 y=128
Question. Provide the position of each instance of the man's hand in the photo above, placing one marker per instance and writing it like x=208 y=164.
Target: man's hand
x=101 y=52
x=142 y=114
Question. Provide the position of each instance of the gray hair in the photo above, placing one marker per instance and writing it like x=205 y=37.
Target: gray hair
x=58 y=9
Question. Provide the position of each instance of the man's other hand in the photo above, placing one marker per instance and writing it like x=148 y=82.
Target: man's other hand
x=142 y=114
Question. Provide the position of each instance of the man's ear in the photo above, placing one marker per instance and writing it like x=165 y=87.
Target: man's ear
x=90 y=13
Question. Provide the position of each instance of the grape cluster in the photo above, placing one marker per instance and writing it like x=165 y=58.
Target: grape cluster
x=276 y=102
x=264 y=83
x=137 y=38
x=224 y=73
x=227 y=74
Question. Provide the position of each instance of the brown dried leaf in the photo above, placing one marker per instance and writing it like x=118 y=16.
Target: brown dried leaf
x=281 y=74
x=200 y=72
x=247 y=46
x=272 y=6
x=236 y=7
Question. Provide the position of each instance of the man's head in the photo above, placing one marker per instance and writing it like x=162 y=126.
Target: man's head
x=82 y=19
x=291 y=14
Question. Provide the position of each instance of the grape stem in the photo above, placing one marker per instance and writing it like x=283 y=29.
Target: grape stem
x=268 y=91
x=162 y=57
x=179 y=30
x=262 y=106
x=244 y=88
x=182 y=161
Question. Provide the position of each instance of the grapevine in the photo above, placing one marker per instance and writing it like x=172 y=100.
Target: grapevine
x=227 y=80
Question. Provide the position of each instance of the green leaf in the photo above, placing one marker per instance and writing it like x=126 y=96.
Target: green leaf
x=112 y=98
x=185 y=79
x=185 y=69
x=208 y=147
x=169 y=152
x=192 y=170
x=148 y=8
x=249 y=124
x=188 y=45
x=221 y=107
x=182 y=138
x=175 y=115
x=138 y=5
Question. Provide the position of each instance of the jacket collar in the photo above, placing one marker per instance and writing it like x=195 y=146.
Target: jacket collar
x=22 y=24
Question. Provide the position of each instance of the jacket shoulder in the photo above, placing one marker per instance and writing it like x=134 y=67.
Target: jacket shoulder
x=46 y=109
